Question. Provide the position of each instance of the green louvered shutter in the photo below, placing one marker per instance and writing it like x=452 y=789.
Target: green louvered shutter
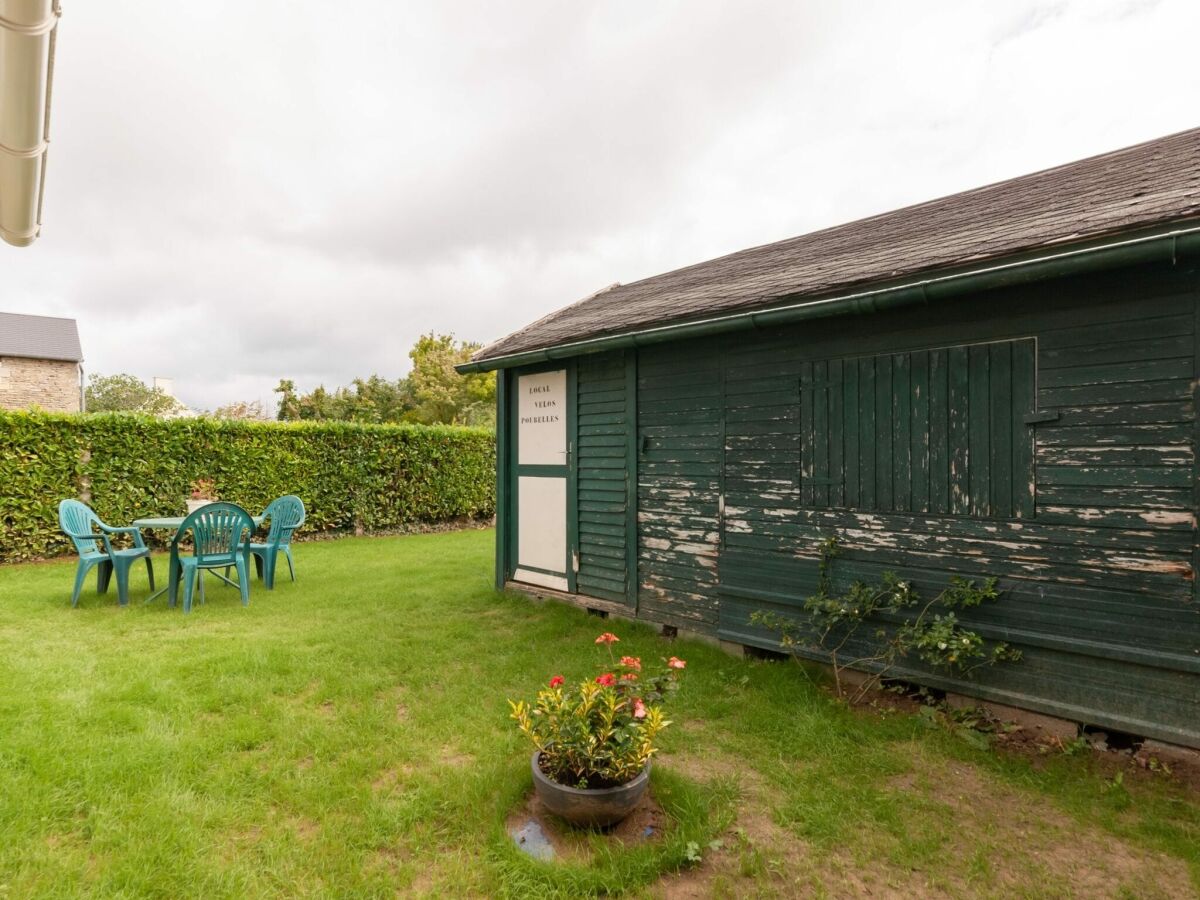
x=939 y=431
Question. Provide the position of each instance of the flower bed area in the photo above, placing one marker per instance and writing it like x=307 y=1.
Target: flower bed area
x=350 y=735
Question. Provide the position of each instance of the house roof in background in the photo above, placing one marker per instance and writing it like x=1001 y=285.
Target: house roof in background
x=1149 y=184
x=39 y=337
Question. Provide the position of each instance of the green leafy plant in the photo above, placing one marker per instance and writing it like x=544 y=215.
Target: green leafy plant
x=602 y=732
x=204 y=489
x=906 y=625
x=125 y=393
x=352 y=477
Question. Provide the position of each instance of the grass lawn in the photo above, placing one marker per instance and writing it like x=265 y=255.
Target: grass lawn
x=348 y=736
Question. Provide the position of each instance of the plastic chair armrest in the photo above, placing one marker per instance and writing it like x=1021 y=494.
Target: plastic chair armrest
x=84 y=536
x=126 y=529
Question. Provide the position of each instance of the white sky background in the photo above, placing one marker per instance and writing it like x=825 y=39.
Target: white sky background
x=239 y=192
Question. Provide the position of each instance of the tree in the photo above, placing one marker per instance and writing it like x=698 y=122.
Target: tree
x=433 y=393
x=244 y=410
x=289 y=402
x=441 y=394
x=128 y=394
x=373 y=399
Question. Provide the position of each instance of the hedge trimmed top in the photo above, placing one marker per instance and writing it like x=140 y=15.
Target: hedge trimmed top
x=350 y=476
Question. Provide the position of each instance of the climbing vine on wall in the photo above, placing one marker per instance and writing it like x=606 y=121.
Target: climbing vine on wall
x=905 y=624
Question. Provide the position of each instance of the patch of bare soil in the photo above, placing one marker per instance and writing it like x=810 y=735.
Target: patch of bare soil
x=1030 y=842
x=645 y=823
x=304 y=828
x=1037 y=746
x=996 y=841
x=451 y=756
x=390 y=779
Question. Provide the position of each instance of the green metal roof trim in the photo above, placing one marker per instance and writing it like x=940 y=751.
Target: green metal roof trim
x=1122 y=207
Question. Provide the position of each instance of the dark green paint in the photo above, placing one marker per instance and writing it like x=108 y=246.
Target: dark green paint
x=1041 y=434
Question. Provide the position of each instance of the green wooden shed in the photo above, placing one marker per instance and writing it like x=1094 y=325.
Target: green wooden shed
x=998 y=383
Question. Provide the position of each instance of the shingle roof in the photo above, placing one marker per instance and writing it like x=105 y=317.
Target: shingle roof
x=39 y=337
x=1147 y=184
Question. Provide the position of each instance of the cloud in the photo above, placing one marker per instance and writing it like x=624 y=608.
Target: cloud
x=243 y=192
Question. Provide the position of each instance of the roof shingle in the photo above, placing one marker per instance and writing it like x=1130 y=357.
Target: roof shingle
x=39 y=337
x=1140 y=186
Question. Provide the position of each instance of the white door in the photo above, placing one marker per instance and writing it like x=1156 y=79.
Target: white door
x=542 y=469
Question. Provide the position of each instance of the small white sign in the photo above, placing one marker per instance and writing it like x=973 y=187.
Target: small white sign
x=542 y=419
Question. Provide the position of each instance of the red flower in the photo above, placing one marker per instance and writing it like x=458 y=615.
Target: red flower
x=639 y=708
x=676 y=663
x=608 y=679
x=632 y=662
x=556 y=681
x=607 y=638
x=628 y=676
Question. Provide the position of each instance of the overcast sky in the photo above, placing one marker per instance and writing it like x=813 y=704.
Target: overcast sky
x=239 y=192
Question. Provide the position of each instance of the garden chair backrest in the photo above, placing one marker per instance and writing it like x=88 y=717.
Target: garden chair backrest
x=286 y=515
x=77 y=519
x=218 y=530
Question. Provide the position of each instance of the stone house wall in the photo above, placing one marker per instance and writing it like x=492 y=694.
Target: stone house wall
x=48 y=384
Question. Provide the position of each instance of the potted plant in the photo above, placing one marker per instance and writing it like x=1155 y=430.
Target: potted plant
x=204 y=492
x=593 y=742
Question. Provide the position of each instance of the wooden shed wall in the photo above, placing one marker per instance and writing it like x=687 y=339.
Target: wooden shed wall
x=753 y=448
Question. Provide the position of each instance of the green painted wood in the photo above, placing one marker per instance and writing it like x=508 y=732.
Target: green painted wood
x=851 y=424
x=631 y=479
x=959 y=437
x=901 y=432
x=927 y=466
x=807 y=434
x=866 y=418
x=514 y=470
x=919 y=446
x=606 y=434
x=1003 y=411
x=823 y=474
x=836 y=495
x=942 y=420
x=503 y=505
x=884 y=433
x=1024 y=482
x=978 y=429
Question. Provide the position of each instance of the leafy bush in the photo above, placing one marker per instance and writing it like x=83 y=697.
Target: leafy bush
x=937 y=639
x=350 y=476
x=601 y=733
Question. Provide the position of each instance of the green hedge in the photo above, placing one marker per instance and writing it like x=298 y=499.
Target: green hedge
x=369 y=477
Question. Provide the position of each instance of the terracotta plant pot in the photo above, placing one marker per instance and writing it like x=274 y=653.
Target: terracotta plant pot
x=589 y=807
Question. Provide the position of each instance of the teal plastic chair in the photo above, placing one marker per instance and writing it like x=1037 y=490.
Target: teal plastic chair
x=220 y=539
x=91 y=539
x=286 y=514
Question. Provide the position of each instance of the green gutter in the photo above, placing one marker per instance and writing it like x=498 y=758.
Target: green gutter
x=1163 y=246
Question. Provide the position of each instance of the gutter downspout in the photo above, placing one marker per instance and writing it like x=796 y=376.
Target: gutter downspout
x=28 y=30
x=82 y=390
x=1169 y=246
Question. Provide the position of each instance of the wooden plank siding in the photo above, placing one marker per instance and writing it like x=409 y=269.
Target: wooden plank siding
x=1041 y=434
x=1086 y=512
x=980 y=444
x=604 y=476
x=680 y=420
